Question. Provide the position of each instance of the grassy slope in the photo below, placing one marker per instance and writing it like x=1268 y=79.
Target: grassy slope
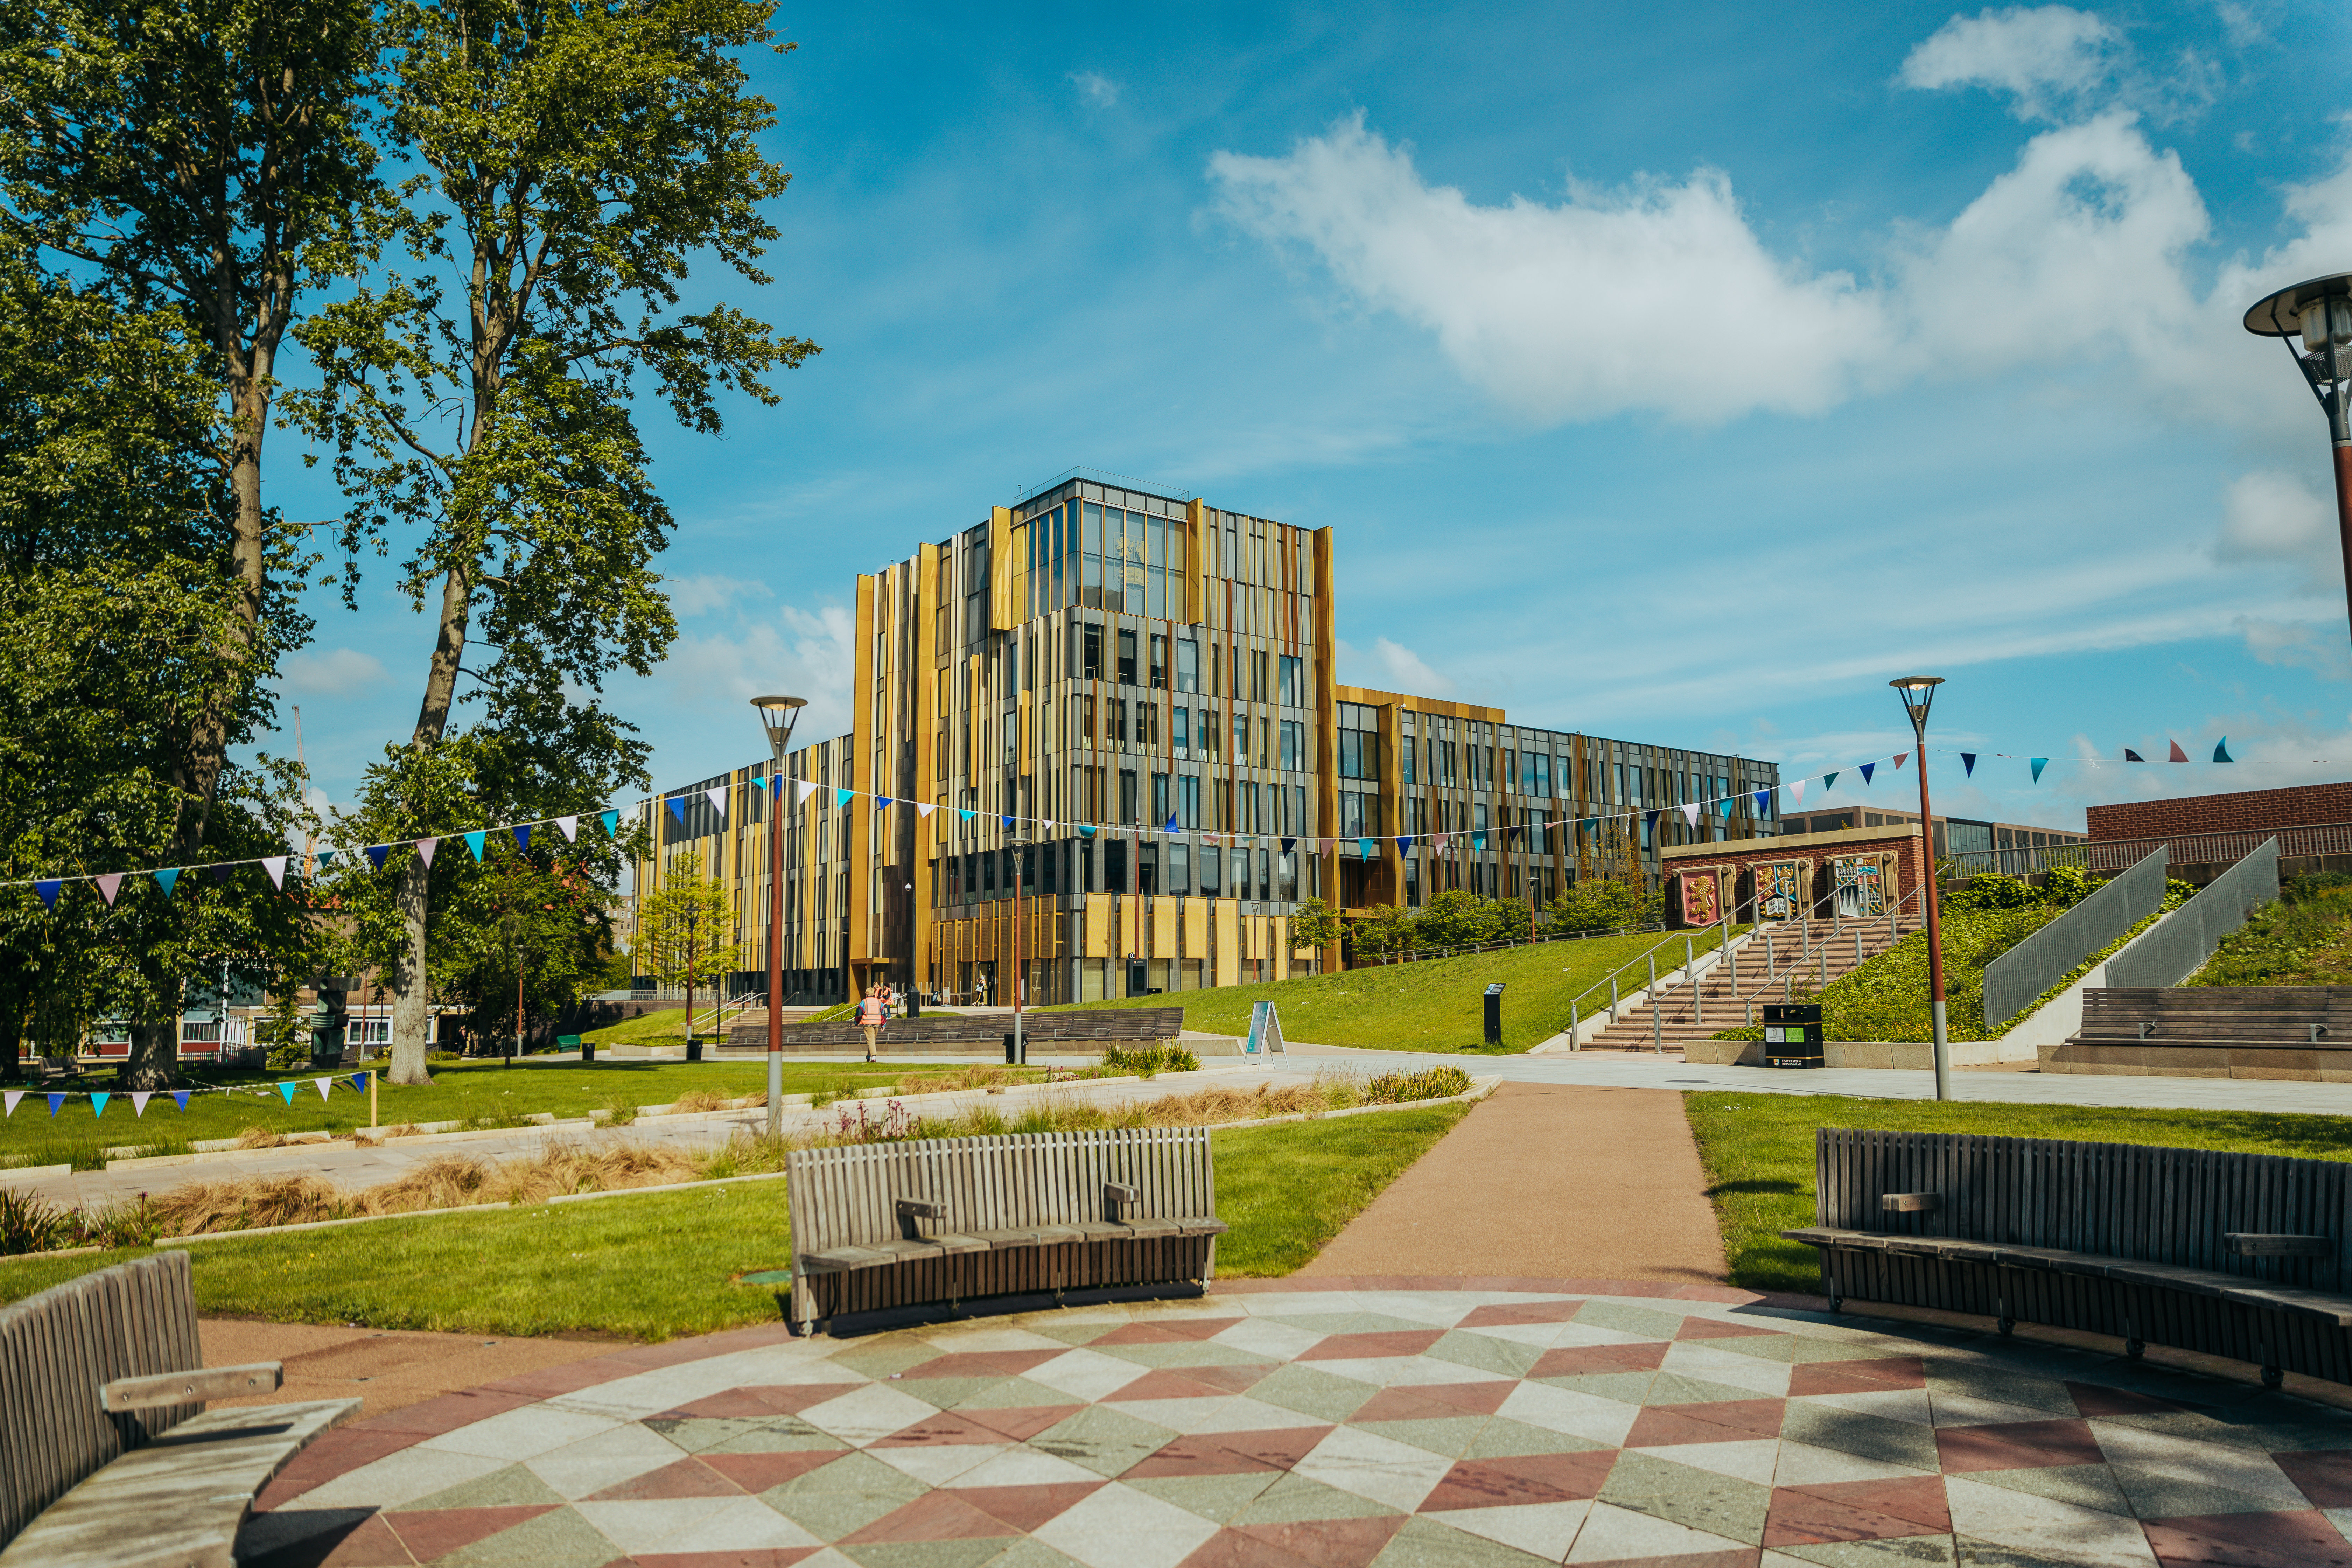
x=1432 y=1005
x=1759 y=1153
x=2308 y=944
x=664 y=1264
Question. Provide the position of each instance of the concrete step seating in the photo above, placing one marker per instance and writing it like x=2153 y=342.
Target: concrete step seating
x=1724 y=993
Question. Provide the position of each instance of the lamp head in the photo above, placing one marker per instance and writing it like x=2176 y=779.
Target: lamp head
x=2317 y=312
x=777 y=716
x=1918 y=694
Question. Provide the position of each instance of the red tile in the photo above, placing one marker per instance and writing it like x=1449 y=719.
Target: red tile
x=1026 y=1507
x=934 y=1516
x=2324 y=1475
x=1857 y=1510
x=1436 y=1401
x=1022 y=1422
x=1578 y=1361
x=2302 y=1539
x=1528 y=1479
x=1199 y=1457
x=1856 y=1376
x=549 y=1381
x=432 y=1417
x=2097 y=1399
x=1166 y=1331
x=760 y=1402
x=758 y=1472
x=437 y=1531
x=946 y=1426
x=1193 y=1383
x=1328 y=1542
x=1232 y=1549
x=365 y=1543
x=2017 y=1446
x=1715 y=1329
x=982 y=1364
x=749 y=1557
x=1516 y=1312
x=1716 y=1421
x=687 y=1477
x=1367 y=1347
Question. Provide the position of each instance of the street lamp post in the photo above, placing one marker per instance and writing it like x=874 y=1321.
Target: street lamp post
x=1020 y=847
x=777 y=716
x=1918 y=692
x=2320 y=312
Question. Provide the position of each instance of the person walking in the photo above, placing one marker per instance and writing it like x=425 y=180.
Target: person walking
x=870 y=1016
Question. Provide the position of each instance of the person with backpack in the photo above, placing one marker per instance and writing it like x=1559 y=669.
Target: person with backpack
x=871 y=1015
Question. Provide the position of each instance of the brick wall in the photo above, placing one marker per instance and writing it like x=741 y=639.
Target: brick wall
x=1736 y=857
x=2252 y=811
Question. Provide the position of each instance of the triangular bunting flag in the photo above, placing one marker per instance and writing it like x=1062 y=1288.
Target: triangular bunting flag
x=841 y=796
x=474 y=842
x=1763 y=801
x=1287 y=844
x=612 y=821
x=285 y=1088
x=1797 y=792
x=1865 y=771
x=326 y=858
x=1047 y=823
x=55 y=1101
x=1900 y=758
x=324 y=1084
x=276 y=866
x=2132 y=756
x=376 y=854
x=1404 y=842
x=1085 y=830
x=963 y=815
x=98 y=1103
x=1969 y=764
x=12 y=1097
x=2222 y=751
x=522 y=836
x=570 y=827
x=804 y=788
x=165 y=880
x=1323 y=846
x=883 y=803
x=139 y=1099
x=221 y=869
x=1478 y=842
x=359 y=1083
x=677 y=808
x=49 y=889
x=717 y=799
x=1006 y=823
x=2177 y=754
x=424 y=847
x=1365 y=850
x=180 y=1098
x=2039 y=763
x=1829 y=781
x=1690 y=813
x=1649 y=820
x=1171 y=824
x=108 y=886
x=924 y=810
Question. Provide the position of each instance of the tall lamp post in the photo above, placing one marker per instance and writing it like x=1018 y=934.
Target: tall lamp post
x=777 y=716
x=2320 y=312
x=1918 y=692
x=1020 y=847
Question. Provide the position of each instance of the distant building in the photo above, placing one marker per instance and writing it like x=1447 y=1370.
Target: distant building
x=2247 y=811
x=1978 y=845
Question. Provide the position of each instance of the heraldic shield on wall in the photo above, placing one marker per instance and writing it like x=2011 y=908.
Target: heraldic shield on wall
x=1860 y=884
x=1780 y=889
x=1702 y=898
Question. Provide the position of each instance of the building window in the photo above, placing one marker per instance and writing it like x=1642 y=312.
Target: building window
x=1286 y=877
x=1408 y=754
x=1188 y=665
x=1359 y=742
x=1090 y=652
x=1187 y=799
x=1257 y=676
x=1538 y=781
x=1179 y=731
x=1212 y=865
x=1160 y=805
x=1180 y=868
x=1294 y=746
x=1159 y=662
x=1294 y=682
x=1413 y=882
x=1147 y=869
x=1127 y=795
x=1127 y=658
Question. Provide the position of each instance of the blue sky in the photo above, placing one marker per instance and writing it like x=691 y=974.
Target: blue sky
x=1679 y=376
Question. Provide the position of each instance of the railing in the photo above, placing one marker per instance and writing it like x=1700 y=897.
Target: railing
x=2122 y=854
x=740 y=1002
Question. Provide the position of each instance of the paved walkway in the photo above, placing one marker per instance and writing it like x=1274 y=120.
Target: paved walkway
x=390 y=1369
x=1553 y=1180
x=1330 y=1423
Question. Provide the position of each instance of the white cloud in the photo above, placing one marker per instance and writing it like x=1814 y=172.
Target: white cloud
x=709 y=591
x=1097 y=89
x=1390 y=667
x=800 y=653
x=1656 y=296
x=2319 y=648
x=331 y=672
x=2274 y=517
x=2035 y=53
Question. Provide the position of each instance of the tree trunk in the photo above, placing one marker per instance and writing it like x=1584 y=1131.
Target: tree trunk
x=412 y=1013
x=154 y=1061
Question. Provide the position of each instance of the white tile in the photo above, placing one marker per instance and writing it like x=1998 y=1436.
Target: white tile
x=937 y=1464
x=745 y=1524
x=1911 y=1404
x=1176 y=1415
x=1242 y=1414
x=1268 y=1337
x=1803 y=1465
x=591 y=1464
x=1119 y=1527
x=1750 y=1461
x=1542 y=1336
x=401 y=1478
x=981 y=1339
x=1613 y=1534
x=1085 y=1374
x=1965 y=1410
x=1438 y=1311
x=2247 y=1470
x=1370 y=1465
x=1544 y=1529
x=642 y=1526
x=523 y=1434
x=1023 y=1467
x=1572 y=1334
x=867 y=1414
x=1699 y=1360
x=2044 y=1528
x=1407 y=1371
x=1565 y=1410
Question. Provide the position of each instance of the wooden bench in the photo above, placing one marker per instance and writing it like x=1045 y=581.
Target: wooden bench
x=991 y=1032
x=107 y=1453
x=2211 y=1031
x=879 y=1227
x=2232 y=1255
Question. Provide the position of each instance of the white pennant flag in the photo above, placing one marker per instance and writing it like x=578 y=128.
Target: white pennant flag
x=1047 y=824
x=925 y=811
x=1323 y=846
x=108 y=886
x=139 y=1099
x=571 y=825
x=424 y=847
x=806 y=787
x=1690 y=813
x=717 y=799
x=1797 y=792
x=14 y=1095
x=1444 y=842
x=324 y=1084
x=276 y=866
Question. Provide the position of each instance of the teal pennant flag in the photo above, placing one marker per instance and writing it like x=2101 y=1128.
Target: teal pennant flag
x=2222 y=751
x=98 y=1103
x=167 y=879
x=612 y=820
x=474 y=842
x=2039 y=763
x=286 y=1089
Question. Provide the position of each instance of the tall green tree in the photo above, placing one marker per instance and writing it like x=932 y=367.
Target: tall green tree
x=574 y=157
x=686 y=934
x=205 y=163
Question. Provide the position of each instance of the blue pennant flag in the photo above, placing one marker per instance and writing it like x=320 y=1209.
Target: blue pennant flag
x=359 y=1080
x=2039 y=763
x=285 y=1088
x=1171 y=824
x=167 y=879
x=1865 y=771
x=1513 y=831
x=612 y=820
x=1006 y=822
x=1288 y=845
x=98 y=1103
x=474 y=842
x=1404 y=842
x=677 y=808
x=2222 y=751
x=48 y=890
x=1763 y=801
x=1649 y=820
x=55 y=1101
x=376 y=852
x=522 y=837
x=883 y=803
x=180 y=1098
x=1827 y=782
x=1969 y=764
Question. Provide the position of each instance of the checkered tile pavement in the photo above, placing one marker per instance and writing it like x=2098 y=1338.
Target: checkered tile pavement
x=1334 y=1428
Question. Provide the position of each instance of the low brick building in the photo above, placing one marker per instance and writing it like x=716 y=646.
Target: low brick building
x=1853 y=873
x=2248 y=811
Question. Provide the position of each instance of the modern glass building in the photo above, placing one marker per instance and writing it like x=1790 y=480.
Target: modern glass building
x=1143 y=683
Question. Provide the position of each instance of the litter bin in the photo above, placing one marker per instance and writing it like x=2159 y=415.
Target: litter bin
x=693 y=1050
x=1495 y=1013
x=1792 y=1035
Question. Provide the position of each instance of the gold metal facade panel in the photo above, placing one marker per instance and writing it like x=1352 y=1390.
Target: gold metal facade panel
x=1228 y=944
x=1164 y=927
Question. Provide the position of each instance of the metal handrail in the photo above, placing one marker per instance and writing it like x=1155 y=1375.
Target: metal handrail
x=1892 y=915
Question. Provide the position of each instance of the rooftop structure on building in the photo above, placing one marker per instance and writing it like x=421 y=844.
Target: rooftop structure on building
x=1141 y=685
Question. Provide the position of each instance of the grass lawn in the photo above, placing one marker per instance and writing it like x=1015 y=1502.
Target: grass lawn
x=459 y=1092
x=655 y=1265
x=1434 y=1005
x=1758 y=1152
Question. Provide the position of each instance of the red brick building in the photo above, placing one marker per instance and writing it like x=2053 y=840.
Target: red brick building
x=2249 y=811
x=1812 y=866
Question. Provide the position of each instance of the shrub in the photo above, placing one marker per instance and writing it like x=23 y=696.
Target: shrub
x=28 y=1225
x=2315 y=887
x=1434 y=1083
x=1993 y=891
x=2066 y=886
x=1149 y=1061
x=1603 y=905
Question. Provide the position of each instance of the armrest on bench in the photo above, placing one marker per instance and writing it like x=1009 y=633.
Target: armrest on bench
x=2251 y=1244
x=194 y=1387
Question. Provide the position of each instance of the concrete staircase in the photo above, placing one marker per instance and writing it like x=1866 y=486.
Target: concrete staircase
x=757 y=1017
x=1758 y=971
